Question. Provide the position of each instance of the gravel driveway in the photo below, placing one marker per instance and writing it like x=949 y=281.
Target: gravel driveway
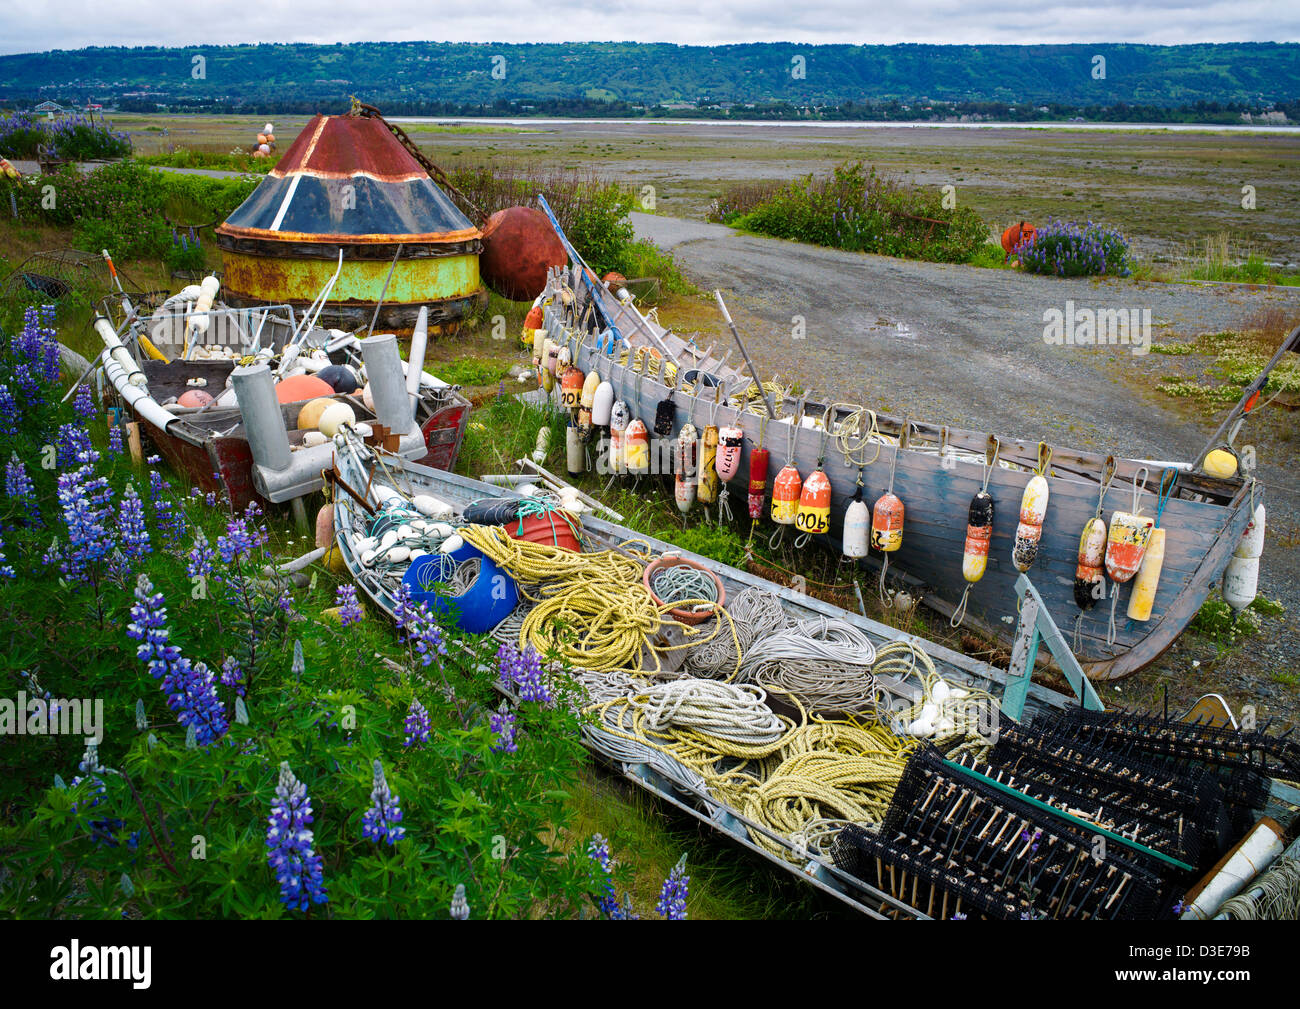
x=964 y=346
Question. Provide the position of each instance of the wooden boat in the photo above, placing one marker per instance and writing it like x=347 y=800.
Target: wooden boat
x=935 y=471
x=209 y=444
x=371 y=483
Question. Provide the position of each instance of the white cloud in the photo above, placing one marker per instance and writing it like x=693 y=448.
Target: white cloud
x=71 y=24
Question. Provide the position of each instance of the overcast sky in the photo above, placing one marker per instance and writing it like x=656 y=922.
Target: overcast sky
x=34 y=25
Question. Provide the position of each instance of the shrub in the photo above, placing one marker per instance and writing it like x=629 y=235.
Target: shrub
x=73 y=138
x=1067 y=249
x=856 y=209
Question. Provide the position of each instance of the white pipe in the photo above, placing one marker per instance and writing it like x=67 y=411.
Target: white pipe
x=198 y=321
x=419 y=344
x=383 y=369
x=263 y=420
x=119 y=352
x=1252 y=856
x=136 y=397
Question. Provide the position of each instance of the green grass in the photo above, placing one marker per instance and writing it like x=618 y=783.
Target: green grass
x=229 y=162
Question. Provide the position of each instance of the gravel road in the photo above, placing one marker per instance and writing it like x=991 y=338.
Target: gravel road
x=964 y=346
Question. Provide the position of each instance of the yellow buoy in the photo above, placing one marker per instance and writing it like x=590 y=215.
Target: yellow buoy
x=1148 y=577
x=309 y=415
x=1220 y=463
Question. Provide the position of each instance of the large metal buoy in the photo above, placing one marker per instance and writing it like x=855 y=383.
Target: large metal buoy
x=519 y=246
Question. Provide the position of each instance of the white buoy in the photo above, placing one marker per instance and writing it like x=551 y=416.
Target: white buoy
x=1241 y=576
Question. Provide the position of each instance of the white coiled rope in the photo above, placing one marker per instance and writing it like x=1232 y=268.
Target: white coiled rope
x=737 y=713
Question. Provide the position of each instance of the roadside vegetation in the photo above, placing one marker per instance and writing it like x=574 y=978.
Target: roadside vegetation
x=70 y=138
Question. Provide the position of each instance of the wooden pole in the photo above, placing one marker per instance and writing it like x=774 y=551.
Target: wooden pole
x=745 y=354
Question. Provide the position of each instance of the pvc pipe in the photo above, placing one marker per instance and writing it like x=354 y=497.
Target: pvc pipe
x=384 y=372
x=119 y=352
x=419 y=344
x=199 y=321
x=263 y=422
x=136 y=397
x=1254 y=854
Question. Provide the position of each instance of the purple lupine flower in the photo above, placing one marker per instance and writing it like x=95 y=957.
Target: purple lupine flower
x=167 y=517
x=132 y=534
x=190 y=687
x=522 y=671
x=84 y=405
x=6 y=569
x=345 y=597
x=20 y=489
x=73 y=442
x=416 y=626
x=298 y=869
x=240 y=541
x=115 y=439
x=1031 y=839
x=232 y=674
x=598 y=852
x=84 y=501
x=381 y=821
x=8 y=412
x=502 y=724
x=672 y=898
x=417 y=723
x=198 y=563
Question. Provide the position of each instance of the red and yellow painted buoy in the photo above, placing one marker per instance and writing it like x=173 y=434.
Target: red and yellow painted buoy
x=814 y=516
x=786 y=490
x=887 y=523
x=571 y=385
x=1089 y=575
x=636 y=447
x=755 y=494
x=979 y=533
x=1126 y=544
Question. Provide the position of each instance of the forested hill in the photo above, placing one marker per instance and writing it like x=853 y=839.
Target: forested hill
x=426 y=76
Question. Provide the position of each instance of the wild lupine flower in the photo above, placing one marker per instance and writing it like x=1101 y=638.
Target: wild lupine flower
x=298 y=869
x=85 y=504
x=167 y=516
x=240 y=541
x=232 y=674
x=132 y=534
x=8 y=412
x=345 y=597
x=672 y=898
x=198 y=563
x=1031 y=839
x=20 y=489
x=84 y=405
x=502 y=724
x=381 y=821
x=115 y=439
x=6 y=569
x=73 y=441
x=459 y=905
x=417 y=723
x=598 y=852
x=416 y=626
x=190 y=687
x=523 y=671
x=959 y=916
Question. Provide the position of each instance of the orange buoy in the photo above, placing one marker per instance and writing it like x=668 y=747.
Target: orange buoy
x=786 y=491
x=757 y=490
x=708 y=490
x=1089 y=575
x=887 y=523
x=1018 y=235
x=814 y=516
x=1126 y=544
x=533 y=320
x=571 y=386
x=194 y=398
x=300 y=387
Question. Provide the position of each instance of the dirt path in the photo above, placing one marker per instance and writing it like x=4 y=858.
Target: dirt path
x=964 y=346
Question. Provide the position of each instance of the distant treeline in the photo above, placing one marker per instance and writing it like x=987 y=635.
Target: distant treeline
x=779 y=80
x=1122 y=112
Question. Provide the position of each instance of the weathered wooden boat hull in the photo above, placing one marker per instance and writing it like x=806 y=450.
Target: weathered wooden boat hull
x=1204 y=520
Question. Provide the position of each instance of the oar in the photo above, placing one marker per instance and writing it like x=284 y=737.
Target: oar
x=745 y=354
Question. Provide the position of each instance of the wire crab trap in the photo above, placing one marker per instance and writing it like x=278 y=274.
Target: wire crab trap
x=1185 y=809
x=55 y=273
x=958 y=842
